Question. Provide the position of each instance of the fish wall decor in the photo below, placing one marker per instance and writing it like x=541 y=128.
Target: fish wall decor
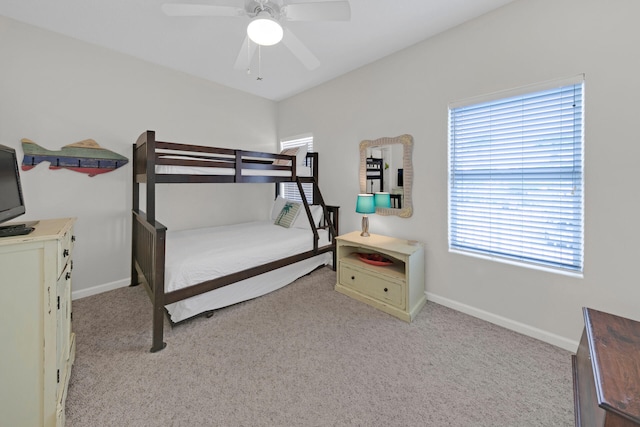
x=86 y=156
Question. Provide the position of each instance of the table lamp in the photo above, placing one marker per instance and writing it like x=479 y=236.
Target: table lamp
x=365 y=205
x=382 y=200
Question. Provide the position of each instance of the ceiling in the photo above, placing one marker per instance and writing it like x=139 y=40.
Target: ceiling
x=207 y=47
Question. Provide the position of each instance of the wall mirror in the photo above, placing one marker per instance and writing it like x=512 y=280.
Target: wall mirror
x=385 y=165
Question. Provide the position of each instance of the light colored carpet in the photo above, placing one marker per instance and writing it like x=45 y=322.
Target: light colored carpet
x=308 y=356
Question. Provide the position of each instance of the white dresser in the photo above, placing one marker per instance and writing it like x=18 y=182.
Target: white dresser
x=38 y=346
x=398 y=288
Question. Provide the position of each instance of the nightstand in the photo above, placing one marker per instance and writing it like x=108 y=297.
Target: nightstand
x=397 y=289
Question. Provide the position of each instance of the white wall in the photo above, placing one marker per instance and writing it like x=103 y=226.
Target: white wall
x=526 y=42
x=56 y=90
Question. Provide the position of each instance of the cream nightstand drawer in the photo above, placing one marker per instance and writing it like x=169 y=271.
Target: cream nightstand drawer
x=376 y=287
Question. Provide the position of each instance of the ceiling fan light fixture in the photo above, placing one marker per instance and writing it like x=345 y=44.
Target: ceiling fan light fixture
x=264 y=30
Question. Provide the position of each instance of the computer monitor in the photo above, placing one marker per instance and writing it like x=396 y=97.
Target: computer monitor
x=11 y=200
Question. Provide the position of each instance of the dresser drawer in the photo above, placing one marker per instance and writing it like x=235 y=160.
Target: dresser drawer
x=65 y=246
x=382 y=289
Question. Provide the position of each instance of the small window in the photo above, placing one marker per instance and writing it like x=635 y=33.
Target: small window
x=289 y=190
x=516 y=176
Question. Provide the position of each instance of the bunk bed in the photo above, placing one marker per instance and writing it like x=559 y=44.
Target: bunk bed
x=375 y=171
x=175 y=267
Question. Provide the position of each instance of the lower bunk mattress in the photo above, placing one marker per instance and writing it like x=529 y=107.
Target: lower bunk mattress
x=198 y=255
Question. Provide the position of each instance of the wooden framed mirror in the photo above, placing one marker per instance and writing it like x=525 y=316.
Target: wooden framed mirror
x=386 y=165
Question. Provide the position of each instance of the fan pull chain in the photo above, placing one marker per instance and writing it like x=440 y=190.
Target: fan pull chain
x=248 y=56
x=259 y=63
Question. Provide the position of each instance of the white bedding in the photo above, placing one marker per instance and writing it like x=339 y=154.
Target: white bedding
x=194 y=256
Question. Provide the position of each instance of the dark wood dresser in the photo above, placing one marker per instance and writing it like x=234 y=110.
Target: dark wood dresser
x=606 y=372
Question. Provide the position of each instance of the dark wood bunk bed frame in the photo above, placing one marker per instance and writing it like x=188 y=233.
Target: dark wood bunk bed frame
x=148 y=235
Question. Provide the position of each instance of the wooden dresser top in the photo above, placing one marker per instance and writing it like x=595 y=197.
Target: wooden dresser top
x=615 y=350
x=45 y=229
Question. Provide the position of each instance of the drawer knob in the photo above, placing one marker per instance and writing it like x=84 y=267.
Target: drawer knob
x=386 y=290
x=353 y=277
x=65 y=253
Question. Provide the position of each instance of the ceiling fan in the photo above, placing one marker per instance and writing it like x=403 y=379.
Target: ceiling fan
x=266 y=19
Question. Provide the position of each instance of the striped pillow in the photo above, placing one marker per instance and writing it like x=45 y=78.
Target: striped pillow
x=288 y=214
x=288 y=151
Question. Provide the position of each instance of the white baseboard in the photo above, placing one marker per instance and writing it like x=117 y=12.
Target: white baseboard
x=95 y=290
x=521 y=328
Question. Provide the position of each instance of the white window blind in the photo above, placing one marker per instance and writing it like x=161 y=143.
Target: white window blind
x=516 y=181
x=289 y=190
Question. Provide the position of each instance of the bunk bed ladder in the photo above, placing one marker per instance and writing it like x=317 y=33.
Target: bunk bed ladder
x=319 y=200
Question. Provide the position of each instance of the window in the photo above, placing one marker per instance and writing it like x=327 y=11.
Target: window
x=289 y=190
x=515 y=176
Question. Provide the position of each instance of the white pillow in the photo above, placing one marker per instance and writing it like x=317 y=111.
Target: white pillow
x=278 y=204
x=301 y=155
x=303 y=222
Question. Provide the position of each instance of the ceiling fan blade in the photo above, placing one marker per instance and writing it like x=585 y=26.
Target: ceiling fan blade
x=319 y=11
x=299 y=50
x=184 y=9
x=247 y=50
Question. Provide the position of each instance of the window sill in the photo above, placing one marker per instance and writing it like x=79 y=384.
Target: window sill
x=569 y=273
